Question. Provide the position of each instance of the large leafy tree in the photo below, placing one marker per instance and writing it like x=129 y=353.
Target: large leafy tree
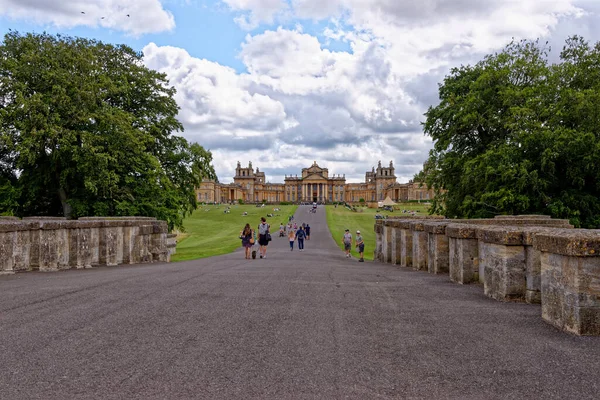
x=516 y=134
x=87 y=129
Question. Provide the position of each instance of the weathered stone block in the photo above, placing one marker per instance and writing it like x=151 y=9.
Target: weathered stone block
x=406 y=245
x=463 y=253
x=396 y=242
x=420 y=246
x=570 y=280
x=438 y=256
x=504 y=267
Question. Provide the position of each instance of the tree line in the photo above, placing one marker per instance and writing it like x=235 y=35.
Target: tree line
x=87 y=130
x=519 y=134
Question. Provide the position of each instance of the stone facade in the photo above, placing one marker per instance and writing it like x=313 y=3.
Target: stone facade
x=54 y=244
x=314 y=184
x=533 y=259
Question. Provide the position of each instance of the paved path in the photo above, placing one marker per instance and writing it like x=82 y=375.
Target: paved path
x=309 y=325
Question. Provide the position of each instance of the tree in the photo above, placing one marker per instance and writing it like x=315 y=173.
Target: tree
x=514 y=134
x=87 y=129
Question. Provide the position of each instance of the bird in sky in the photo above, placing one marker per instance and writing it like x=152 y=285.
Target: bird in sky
x=127 y=15
x=82 y=12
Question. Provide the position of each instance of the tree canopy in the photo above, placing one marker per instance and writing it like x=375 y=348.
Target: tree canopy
x=86 y=129
x=517 y=134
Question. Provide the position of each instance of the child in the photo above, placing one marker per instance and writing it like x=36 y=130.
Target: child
x=347 y=240
x=291 y=238
x=361 y=246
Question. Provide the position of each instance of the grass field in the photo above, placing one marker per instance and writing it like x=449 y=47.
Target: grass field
x=340 y=218
x=211 y=232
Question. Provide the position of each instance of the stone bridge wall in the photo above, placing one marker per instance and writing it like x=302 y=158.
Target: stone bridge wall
x=529 y=258
x=53 y=244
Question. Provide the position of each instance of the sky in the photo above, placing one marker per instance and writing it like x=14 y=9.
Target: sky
x=284 y=83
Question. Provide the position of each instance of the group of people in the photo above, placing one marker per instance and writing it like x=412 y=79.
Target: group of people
x=248 y=236
x=294 y=232
x=358 y=242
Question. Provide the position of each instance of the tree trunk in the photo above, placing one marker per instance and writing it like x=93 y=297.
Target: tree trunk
x=67 y=209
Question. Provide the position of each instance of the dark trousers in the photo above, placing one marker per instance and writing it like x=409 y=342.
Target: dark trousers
x=292 y=244
x=301 y=244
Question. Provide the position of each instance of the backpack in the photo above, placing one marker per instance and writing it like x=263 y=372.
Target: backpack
x=263 y=228
x=300 y=234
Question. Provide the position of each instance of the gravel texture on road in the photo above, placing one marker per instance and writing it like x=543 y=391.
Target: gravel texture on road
x=296 y=325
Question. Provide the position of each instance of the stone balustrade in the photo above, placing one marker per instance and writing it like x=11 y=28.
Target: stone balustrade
x=528 y=258
x=53 y=244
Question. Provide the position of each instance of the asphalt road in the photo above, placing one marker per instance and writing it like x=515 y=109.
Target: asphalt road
x=310 y=325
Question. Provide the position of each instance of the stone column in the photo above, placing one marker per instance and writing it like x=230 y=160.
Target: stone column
x=570 y=279
x=463 y=253
x=378 y=251
x=420 y=247
x=54 y=245
x=438 y=252
x=406 y=243
x=386 y=250
x=396 y=241
x=503 y=262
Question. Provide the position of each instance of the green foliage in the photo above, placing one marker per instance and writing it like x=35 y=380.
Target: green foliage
x=86 y=129
x=361 y=200
x=515 y=134
x=240 y=201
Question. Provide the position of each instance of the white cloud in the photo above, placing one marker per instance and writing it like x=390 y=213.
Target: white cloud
x=256 y=12
x=216 y=107
x=145 y=16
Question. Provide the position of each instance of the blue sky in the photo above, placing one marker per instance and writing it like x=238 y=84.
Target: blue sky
x=206 y=29
x=283 y=83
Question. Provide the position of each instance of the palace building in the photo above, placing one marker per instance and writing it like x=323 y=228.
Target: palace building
x=314 y=184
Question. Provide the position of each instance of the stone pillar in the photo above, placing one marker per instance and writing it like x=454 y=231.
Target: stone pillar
x=396 y=241
x=386 y=250
x=54 y=245
x=503 y=262
x=570 y=279
x=159 y=241
x=406 y=243
x=378 y=251
x=438 y=252
x=463 y=253
x=15 y=245
x=420 y=247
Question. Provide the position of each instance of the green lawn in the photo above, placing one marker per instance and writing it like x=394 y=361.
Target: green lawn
x=211 y=232
x=340 y=218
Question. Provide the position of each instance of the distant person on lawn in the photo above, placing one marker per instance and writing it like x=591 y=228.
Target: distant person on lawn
x=263 y=230
x=247 y=236
x=360 y=244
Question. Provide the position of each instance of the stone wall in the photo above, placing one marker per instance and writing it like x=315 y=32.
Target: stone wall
x=53 y=244
x=527 y=258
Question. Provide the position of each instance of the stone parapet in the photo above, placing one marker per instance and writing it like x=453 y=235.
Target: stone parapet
x=531 y=258
x=53 y=244
x=570 y=279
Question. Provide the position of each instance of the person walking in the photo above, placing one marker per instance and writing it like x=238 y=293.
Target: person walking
x=263 y=237
x=247 y=236
x=360 y=244
x=307 y=231
x=291 y=238
x=300 y=235
x=347 y=240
